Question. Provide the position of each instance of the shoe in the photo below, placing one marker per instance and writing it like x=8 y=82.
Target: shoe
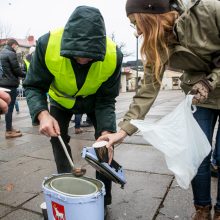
x=86 y=124
x=15 y=130
x=12 y=134
x=202 y=213
x=78 y=130
x=17 y=112
x=216 y=215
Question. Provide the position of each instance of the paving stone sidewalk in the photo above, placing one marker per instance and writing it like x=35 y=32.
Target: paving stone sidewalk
x=151 y=191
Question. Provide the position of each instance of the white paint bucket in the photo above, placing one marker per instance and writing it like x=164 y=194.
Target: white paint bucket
x=74 y=198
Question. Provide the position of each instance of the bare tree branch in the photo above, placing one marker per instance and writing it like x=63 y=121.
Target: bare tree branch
x=121 y=46
x=5 y=30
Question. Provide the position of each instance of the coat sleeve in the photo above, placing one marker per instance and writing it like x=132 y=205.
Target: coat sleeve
x=15 y=67
x=38 y=80
x=214 y=77
x=106 y=99
x=142 y=102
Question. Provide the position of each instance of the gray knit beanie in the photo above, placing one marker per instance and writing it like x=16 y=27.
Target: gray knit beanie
x=148 y=6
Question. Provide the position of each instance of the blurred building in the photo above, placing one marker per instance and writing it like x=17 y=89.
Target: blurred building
x=170 y=80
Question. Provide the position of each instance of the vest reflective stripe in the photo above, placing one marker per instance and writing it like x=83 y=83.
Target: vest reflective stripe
x=27 y=63
x=64 y=87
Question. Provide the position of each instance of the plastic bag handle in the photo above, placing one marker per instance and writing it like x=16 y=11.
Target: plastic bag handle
x=189 y=98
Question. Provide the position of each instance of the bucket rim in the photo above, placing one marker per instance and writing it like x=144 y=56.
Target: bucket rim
x=50 y=193
x=69 y=194
x=73 y=195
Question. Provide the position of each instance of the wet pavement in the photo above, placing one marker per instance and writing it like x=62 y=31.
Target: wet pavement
x=151 y=191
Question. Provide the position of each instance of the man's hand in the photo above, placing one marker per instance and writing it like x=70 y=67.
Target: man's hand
x=112 y=139
x=5 y=100
x=200 y=91
x=48 y=124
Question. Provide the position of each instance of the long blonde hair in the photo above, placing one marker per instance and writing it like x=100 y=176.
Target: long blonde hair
x=157 y=30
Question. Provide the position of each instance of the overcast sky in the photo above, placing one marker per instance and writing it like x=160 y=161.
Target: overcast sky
x=36 y=17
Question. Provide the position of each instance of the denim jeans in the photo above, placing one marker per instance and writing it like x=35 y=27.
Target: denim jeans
x=78 y=118
x=17 y=106
x=201 y=184
x=63 y=117
x=8 y=115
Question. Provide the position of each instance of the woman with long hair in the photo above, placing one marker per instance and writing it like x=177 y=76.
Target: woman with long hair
x=185 y=39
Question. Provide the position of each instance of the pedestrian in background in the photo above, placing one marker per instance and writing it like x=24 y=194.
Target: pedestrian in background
x=17 y=106
x=10 y=80
x=77 y=120
x=25 y=66
x=185 y=39
x=87 y=122
x=27 y=59
x=78 y=123
x=81 y=70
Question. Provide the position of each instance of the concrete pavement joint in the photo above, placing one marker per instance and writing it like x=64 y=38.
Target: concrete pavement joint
x=28 y=210
x=40 y=158
x=163 y=199
x=14 y=208
x=148 y=172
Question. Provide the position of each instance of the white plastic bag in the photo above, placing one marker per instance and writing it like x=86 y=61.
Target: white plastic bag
x=180 y=138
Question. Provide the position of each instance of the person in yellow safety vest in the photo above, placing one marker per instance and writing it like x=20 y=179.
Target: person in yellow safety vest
x=27 y=59
x=81 y=69
x=26 y=64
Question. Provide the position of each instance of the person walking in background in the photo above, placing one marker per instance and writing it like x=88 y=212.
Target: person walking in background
x=87 y=122
x=27 y=59
x=26 y=64
x=17 y=106
x=78 y=123
x=81 y=70
x=78 y=118
x=10 y=80
x=185 y=39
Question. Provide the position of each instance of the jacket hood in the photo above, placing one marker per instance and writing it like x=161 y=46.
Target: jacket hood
x=84 y=34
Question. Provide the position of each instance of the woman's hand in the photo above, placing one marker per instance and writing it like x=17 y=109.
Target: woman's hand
x=48 y=124
x=200 y=91
x=112 y=139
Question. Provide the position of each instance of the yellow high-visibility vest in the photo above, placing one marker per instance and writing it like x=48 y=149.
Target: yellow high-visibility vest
x=27 y=63
x=64 y=87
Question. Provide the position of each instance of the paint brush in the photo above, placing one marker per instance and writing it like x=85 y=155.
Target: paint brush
x=78 y=172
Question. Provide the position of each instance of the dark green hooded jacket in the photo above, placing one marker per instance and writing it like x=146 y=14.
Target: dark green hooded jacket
x=84 y=36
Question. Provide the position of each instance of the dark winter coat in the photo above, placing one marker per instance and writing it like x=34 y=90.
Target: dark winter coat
x=10 y=66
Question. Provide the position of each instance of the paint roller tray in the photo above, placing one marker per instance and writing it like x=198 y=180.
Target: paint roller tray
x=114 y=171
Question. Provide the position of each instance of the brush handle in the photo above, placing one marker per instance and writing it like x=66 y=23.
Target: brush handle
x=66 y=152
